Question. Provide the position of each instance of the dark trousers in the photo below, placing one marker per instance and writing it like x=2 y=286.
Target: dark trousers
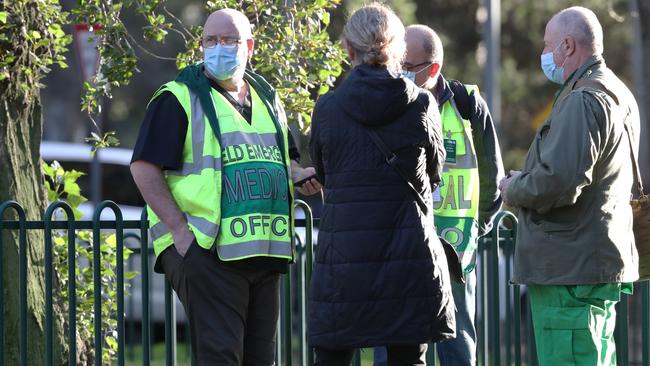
x=403 y=355
x=232 y=310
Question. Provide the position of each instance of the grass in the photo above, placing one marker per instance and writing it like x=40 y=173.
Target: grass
x=133 y=355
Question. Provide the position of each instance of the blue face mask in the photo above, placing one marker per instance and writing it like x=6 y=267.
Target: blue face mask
x=411 y=75
x=222 y=63
x=551 y=70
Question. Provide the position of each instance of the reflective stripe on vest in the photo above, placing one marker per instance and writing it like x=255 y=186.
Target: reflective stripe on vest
x=192 y=186
x=456 y=199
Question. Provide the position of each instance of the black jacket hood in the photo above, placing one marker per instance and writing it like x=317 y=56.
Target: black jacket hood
x=371 y=95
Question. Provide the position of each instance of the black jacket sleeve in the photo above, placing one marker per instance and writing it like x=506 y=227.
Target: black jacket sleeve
x=315 y=138
x=490 y=165
x=436 y=153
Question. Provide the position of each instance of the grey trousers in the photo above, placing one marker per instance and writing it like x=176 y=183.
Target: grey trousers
x=232 y=310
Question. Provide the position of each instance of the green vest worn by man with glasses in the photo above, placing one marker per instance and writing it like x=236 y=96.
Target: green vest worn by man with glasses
x=456 y=201
x=234 y=186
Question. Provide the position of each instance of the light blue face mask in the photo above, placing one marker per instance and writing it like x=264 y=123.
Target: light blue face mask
x=551 y=70
x=222 y=63
x=411 y=75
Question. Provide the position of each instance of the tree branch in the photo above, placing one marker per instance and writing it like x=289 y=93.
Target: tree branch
x=187 y=31
x=147 y=51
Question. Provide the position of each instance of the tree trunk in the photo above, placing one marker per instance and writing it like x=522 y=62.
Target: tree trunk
x=644 y=97
x=21 y=180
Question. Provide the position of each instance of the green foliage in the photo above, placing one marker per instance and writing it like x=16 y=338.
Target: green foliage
x=31 y=40
x=98 y=142
x=292 y=49
x=62 y=185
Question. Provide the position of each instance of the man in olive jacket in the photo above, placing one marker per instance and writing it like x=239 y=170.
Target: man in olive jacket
x=575 y=246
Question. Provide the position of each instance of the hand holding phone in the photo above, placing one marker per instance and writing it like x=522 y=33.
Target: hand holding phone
x=304 y=180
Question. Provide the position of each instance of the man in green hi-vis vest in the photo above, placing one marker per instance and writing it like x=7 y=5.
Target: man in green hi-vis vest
x=468 y=196
x=575 y=247
x=215 y=163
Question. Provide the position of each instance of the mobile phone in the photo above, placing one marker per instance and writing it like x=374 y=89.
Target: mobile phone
x=303 y=181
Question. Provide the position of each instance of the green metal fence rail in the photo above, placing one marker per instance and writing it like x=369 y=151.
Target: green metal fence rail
x=503 y=320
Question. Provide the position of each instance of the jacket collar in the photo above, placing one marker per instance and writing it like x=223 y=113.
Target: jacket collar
x=584 y=70
x=442 y=91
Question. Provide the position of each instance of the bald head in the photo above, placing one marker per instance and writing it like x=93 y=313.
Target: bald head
x=582 y=25
x=227 y=27
x=228 y=23
x=424 y=41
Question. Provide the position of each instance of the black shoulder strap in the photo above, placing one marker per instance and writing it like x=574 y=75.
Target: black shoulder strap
x=391 y=159
x=461 y=98
x=453 y=262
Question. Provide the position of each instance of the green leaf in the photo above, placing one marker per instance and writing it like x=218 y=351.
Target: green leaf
x=52 y=196
x=56 y=30
x=47 y=169
x=323 y=89
x=326 y=18
x=78 y=215
x=75 y=200
x=111 y=240
x=71 y=188
x=129 y=275
x=111 y=342
x=3 y=17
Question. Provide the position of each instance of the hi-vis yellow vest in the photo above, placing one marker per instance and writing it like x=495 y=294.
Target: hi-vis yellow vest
x=235 y=190
x=455 y=202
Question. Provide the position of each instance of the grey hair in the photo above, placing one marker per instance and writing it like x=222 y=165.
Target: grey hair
x=583 y=25
x=431 y=43
x=377 y=36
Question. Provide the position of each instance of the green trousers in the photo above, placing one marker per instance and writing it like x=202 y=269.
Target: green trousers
x=574 y=325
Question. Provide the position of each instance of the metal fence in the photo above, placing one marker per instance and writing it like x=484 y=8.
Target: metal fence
x=503 y=314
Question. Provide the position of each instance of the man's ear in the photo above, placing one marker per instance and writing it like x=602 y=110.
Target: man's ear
x=435 y=70
x=569 y=46
x=250 y=45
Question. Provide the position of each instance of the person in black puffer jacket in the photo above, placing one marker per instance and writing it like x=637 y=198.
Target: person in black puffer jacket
x=380 y=275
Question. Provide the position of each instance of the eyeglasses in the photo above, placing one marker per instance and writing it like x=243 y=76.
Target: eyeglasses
x=226 y=42
x=409 y=67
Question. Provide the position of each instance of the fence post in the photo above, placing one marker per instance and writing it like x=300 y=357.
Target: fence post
x=287 y=318
x=49 y=339
x=22 y=246
x=621 y=335
x=482 y=301
x=494 y=288
x=97 y=286
x=309 y=260
x=645 y=323
x=170 y=326
x=144 y=270
x=97 y=273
